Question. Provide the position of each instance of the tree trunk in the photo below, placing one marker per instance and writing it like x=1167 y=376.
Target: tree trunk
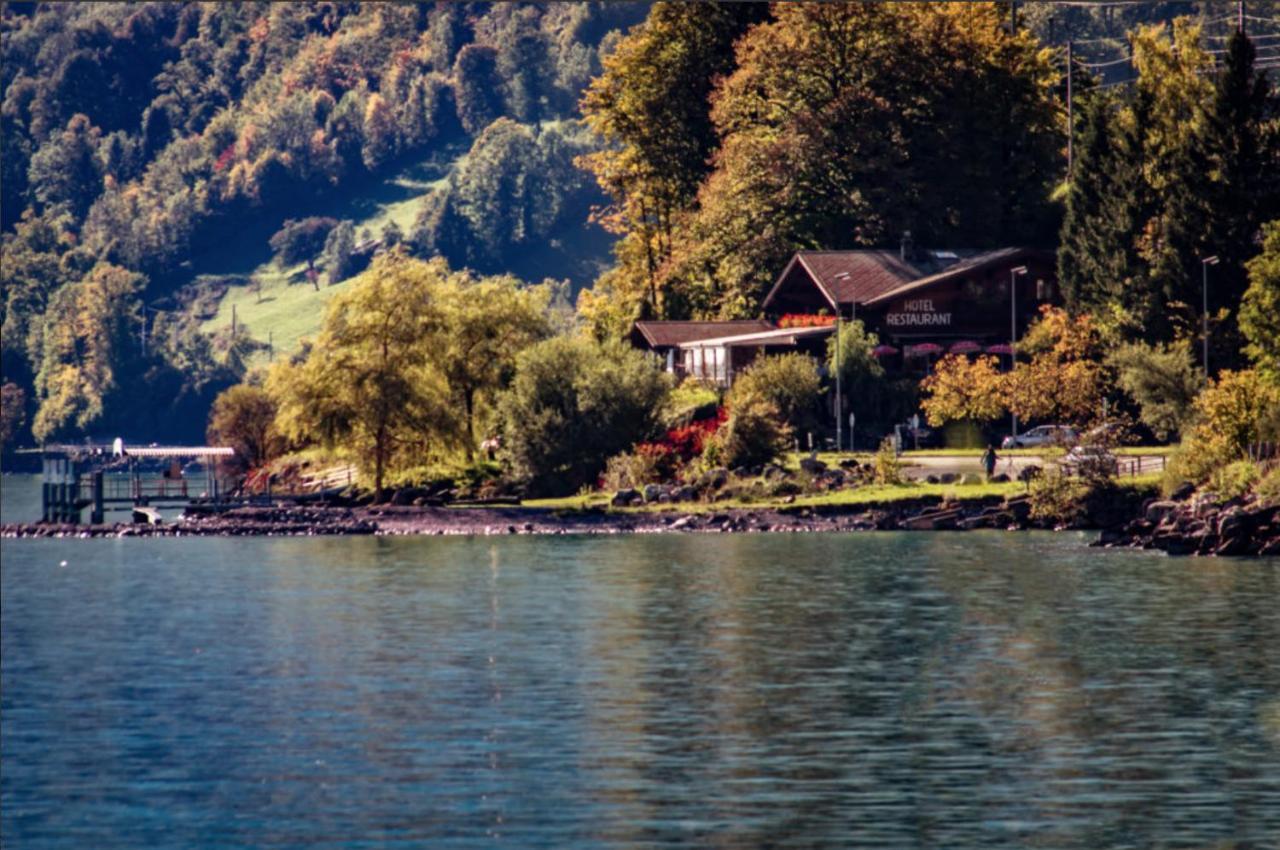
x=379 y=453
x=469 y=402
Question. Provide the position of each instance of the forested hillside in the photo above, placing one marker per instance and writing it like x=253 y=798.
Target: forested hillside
x=147 y=143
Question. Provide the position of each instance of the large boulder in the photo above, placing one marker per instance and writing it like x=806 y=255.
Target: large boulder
x=812 y=465
x=653 y=492
x=684 y=493
x=626 y=498
x=1157 y=512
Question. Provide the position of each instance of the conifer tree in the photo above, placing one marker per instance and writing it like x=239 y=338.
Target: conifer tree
x=1243 y=193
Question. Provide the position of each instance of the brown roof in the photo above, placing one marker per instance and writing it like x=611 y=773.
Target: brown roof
x=870 y=273
x=963 y=267
x=660 y=334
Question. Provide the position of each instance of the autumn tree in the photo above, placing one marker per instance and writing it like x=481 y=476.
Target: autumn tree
x=88 y=338
x=336 y=256
x=477 y=86
x=13 y=413
x=650 y=105
x=487 y=322
x=243 y=417
x=963 y=389
x=846 y=124
x=370 y=380
x=1064 y=380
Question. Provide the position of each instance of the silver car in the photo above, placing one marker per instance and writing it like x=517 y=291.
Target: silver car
x=1042 y=435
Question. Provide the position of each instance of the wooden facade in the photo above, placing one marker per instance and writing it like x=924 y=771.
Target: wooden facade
x=919 y=307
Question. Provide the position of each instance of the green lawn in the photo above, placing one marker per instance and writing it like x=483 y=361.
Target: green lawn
x=871 y=494
x=288 y=307
x=874 y=494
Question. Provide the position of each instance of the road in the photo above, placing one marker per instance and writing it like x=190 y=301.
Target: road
x=1011 y=465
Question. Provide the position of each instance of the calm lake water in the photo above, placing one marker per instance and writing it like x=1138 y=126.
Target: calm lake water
x=869 y=690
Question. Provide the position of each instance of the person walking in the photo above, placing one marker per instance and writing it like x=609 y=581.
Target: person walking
x=989 y=459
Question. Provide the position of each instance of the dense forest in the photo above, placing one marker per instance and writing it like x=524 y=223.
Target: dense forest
x=140 y=136
x=710 y=140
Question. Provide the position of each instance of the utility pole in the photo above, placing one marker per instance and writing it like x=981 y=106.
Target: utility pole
x=1071 y=114
x=1014 y=274
x=233 y=321
x=1240 y=16
x=839 y=405
x=1204 y=318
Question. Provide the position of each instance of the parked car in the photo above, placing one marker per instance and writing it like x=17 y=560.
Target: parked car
x=1090 y=460
x=1042 y=435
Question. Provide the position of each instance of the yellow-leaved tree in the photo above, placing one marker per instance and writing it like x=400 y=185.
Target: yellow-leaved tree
x=961 y=389
x=371 y=379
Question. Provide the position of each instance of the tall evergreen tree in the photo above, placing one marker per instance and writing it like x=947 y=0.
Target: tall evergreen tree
x=1244 y=192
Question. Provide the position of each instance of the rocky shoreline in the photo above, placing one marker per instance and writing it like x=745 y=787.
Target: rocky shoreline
x=1196 y=526
x=1201 y=524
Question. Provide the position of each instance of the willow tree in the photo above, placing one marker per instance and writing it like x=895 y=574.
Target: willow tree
x=370 y=380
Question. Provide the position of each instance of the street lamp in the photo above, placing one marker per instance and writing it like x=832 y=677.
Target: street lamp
x=1204 y=295
x=839 y=406
x=1014 y=274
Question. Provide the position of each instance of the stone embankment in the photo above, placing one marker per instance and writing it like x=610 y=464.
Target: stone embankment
x=924 y=514
x=240 y=522
x=1202 y=525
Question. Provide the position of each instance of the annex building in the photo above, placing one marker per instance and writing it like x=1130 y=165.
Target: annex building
x=920 y=306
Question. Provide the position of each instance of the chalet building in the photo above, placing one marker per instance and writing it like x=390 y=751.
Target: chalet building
x=920 y=306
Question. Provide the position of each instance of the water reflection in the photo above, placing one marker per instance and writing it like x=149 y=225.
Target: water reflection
x=866 y=690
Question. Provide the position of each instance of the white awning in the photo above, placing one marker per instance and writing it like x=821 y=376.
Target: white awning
x=782 y=336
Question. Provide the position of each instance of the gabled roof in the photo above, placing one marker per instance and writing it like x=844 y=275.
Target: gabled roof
x=869 y=273
x=773 y=336
x=978 y=262
x=665 y=334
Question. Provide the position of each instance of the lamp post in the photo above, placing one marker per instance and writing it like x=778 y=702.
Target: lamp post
x=1014 y=274
x=1204 y=296
x=839 y=406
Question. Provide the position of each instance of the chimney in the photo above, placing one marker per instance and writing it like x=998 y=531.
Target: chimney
x=905 y=250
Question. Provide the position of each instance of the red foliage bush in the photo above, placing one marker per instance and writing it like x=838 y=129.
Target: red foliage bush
x=687 y=442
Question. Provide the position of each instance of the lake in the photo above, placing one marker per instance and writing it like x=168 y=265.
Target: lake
x=867 y=690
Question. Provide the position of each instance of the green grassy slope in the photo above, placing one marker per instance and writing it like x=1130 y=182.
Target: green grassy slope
x=288 y=308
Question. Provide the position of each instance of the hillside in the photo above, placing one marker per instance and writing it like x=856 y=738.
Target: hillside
x=153 y=149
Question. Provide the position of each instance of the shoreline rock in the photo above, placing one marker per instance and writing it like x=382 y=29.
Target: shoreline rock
x=1201 y=525
x=1198 y=526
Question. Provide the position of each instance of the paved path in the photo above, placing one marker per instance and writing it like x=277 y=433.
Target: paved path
x=919 y=467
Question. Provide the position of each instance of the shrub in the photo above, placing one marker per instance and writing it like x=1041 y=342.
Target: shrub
x=688 y=442
x=301 y=239
x=572 y=405
x=691 y=400
x=1268 y=487
x=888 y=467
x=650 y=463
x=1057 y=497
x=754 y=434
x=1162 y=381
x=787 y=381
x=1234 y=411
x=1234 y=479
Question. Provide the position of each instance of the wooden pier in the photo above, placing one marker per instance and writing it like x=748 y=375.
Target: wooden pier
x=75 y=477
